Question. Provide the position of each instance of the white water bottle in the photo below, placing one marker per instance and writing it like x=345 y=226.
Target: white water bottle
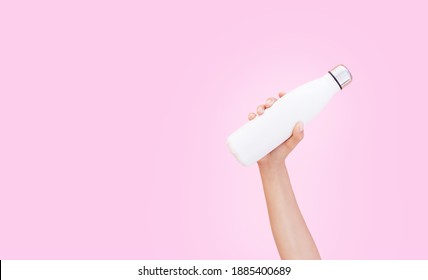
x=258 y=137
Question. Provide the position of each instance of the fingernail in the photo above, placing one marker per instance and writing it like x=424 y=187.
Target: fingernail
x=269 y=101
x=260 y=110
x=301 y=127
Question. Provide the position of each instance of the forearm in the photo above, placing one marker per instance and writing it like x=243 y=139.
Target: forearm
x=292 y=236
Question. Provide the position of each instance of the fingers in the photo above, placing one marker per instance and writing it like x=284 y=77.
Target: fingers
x=261 y=108
x=269 y=102
x=251 y=116
x=296 y=137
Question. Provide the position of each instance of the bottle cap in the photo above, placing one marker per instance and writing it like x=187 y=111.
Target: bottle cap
x=342 y=75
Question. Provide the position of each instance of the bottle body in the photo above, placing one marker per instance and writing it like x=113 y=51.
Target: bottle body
x=258 y=137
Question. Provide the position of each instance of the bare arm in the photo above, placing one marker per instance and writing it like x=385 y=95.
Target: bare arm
x=292 y=237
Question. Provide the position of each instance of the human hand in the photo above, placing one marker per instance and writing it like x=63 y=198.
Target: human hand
x=278 y=155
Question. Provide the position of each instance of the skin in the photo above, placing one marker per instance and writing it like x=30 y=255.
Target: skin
x=292 y=237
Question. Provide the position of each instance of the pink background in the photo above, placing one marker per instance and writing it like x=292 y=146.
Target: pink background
x=114 y=117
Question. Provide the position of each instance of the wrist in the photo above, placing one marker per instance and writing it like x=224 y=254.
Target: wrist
x=271 y=165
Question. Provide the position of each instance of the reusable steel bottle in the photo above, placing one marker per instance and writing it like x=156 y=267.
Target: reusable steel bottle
x=258 y=137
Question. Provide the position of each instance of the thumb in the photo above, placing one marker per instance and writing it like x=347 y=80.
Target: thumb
x=296 y=137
